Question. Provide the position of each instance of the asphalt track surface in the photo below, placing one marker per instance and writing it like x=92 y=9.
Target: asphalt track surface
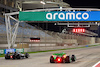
x=86 y=57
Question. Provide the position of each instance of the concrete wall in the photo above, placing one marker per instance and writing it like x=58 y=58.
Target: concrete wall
x=46 y=48
x=58 y=41
x=92 y=41
x=97 y=40
x=69 y=41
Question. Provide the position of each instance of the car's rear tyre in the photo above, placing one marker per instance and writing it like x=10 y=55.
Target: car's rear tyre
x=51 y=59
x=73 y=58
x=7 y=57
x=26 y=55
x=18 y=56
x=14 y=57
x=68 y=59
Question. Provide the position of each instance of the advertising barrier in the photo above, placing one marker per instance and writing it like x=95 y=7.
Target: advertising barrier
x=9 y=50
x=20 y=50
x=12 y=50
x=1 y=51
x=60 y=16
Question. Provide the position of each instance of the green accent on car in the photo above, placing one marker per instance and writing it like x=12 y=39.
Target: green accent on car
x=54 y=58
x=70 y=60
x=75 y=58
x=59 y=54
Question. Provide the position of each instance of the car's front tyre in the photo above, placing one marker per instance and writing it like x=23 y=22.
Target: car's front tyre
x=68 y=59
x=26 y=55
x=73 y=58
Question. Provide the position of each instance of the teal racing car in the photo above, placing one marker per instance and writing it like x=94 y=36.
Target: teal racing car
x=62 y=58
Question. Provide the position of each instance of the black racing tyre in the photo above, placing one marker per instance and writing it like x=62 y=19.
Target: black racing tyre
x=73 y=58
x=7 y=57
x=14 y=57
x=51 y=59
x=26 y=55
x=68 y=59
x=18 y=56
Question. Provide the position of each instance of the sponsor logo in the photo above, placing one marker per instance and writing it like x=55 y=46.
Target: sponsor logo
x=1 y=51
x=20 y=50
x=67 y=16
x=9 y=50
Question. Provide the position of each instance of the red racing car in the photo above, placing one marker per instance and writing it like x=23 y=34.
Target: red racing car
x=62 y=58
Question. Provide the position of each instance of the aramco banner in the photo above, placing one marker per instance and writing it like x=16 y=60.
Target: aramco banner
x=60 y=16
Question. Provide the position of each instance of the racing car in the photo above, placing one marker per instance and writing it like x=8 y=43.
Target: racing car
x=16 y=55
x=62 y=58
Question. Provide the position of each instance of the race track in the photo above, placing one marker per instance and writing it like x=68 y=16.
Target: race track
x=86 y=57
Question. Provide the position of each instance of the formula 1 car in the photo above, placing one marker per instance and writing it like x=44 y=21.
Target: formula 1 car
x=16 y=56
x=62 y=58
